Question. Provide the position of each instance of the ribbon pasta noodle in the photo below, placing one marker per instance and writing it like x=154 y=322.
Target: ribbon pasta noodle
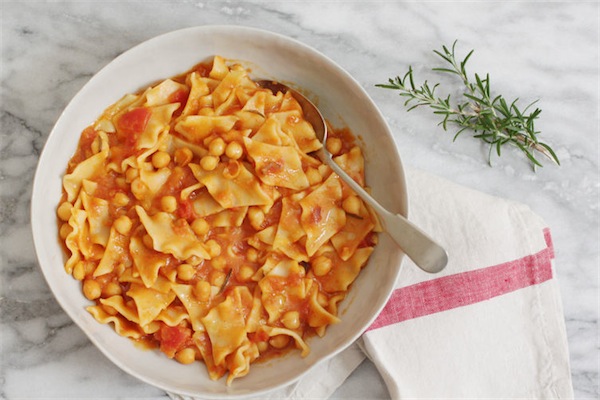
x=199 y=223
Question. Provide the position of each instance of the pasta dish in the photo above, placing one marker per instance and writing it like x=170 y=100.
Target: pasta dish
x=198 y=223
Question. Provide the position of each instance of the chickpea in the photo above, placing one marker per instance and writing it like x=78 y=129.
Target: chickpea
x=279 y=341
x=334 y=145
x=256 y=216
x=291 y=319
x=346 y=253
x=131 y=174
x=234 y=150
x=202 y=290
x=121 y=199
x=314 y=176
x=216 y=147
x=183 y=156
x=79 y=271
x=121 y=182
x=219 y=262
x=168 y=204
x=245 y=273
x=351 y=205
x=89 y=267
x=217 y=278
x=64 y=211
x=321 y=265
x=65 y=230
x=252 y=255
x=200 y=227
x=186 y=356
x=91 y=289
x=160 y=159
x=185 y=272
x=262 y=346
x=138 y=188
x=214 y=249
x=209 y=163
x=123 y=225
x=112 y=289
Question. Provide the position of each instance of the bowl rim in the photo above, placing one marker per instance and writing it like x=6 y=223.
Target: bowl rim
x=37 y=196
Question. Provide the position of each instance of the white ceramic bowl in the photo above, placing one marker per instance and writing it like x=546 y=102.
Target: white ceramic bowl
x=341 y=99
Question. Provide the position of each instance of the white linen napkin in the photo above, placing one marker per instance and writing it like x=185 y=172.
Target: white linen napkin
x=490 y=325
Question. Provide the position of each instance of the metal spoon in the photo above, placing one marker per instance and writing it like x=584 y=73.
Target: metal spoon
x=415 y=243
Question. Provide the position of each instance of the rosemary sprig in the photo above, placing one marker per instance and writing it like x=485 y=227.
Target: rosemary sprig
x=491 y=119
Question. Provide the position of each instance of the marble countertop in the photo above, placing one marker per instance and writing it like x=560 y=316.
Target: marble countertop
x=532 y=50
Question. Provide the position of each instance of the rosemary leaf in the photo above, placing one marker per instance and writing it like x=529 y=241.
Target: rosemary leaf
x=491 y=119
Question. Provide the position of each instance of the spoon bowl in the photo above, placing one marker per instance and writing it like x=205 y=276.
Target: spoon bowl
x=416 y=244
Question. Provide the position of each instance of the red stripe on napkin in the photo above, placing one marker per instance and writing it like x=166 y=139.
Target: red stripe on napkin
x=467 y=287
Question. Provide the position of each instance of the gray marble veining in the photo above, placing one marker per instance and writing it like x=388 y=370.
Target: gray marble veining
x=532 y=50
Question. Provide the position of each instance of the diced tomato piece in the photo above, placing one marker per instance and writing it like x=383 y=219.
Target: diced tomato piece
x=179 y=96
x=172 y=338
x=134 y=122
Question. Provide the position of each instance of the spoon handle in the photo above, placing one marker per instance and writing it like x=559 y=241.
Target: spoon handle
x=424 y=251
x=419 y=247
